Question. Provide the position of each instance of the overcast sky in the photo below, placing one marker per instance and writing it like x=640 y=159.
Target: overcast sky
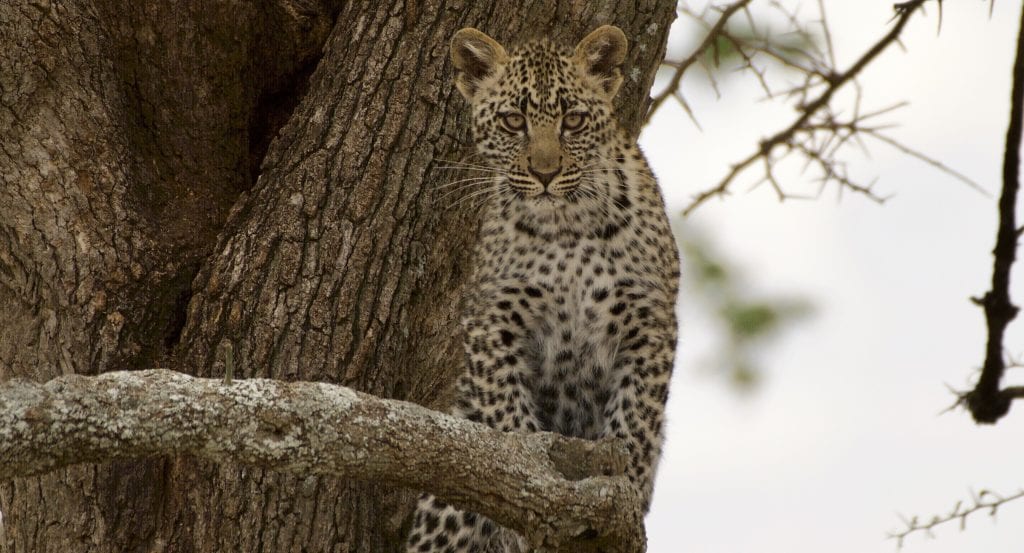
x=846 y=429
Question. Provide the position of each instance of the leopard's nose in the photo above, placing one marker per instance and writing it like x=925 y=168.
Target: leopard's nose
x=545 y=178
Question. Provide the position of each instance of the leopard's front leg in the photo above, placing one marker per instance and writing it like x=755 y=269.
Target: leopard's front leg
x=643 y=367
x=491 y=391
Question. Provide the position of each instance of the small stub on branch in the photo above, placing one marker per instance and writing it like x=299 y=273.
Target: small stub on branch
x=228 y=350
x=606 y=457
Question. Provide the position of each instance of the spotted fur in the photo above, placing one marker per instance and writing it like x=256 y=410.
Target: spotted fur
x=569 y=320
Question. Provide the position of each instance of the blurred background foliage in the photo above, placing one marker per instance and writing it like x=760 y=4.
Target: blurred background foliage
x=745 y=321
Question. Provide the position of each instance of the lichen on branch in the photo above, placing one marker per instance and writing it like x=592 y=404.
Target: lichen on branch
x=552 y=489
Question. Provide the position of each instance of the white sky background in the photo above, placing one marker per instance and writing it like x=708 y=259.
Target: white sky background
x=845 y=430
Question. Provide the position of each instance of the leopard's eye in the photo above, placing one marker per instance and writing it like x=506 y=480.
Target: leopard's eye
x=573 y=121
x=514 y=122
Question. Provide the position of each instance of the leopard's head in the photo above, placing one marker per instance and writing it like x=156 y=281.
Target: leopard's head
x=541 y=113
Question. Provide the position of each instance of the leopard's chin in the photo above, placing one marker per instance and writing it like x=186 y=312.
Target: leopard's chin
x=546 y=201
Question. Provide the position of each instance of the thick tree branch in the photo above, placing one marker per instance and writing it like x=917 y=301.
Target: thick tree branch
x=987 y=402
x=549 y=488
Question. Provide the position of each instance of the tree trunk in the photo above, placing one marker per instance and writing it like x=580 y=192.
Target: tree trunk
x=134 y=232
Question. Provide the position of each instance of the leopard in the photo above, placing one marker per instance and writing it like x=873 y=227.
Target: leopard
x=569 y=315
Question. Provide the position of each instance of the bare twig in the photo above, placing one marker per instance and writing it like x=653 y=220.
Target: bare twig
x=987 y=402
x=985 y=500
x=874 y=133
x=828 y=34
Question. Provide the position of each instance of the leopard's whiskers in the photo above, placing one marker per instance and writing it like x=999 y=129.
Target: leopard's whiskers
x=472 y=180
x=475 y=194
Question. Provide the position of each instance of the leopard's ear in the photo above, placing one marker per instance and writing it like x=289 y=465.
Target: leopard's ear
x=475 y=56
x=601 y=54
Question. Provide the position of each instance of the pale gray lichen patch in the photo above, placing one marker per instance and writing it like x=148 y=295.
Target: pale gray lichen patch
x=278 y=447
x=337 y=397
x=251 y=393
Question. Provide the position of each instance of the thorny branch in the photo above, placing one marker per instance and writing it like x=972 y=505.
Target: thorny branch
x=709 y=42
x=987 y=402
x=819 y=132
x=984 y=500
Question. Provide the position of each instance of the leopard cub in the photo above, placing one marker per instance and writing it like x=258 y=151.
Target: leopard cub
x=570 y=314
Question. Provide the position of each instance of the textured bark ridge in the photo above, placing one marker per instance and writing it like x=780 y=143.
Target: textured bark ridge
x=181 y=176
x=550 y=488
x=127 y=135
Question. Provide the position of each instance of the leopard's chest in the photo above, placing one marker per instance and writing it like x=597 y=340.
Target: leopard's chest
x=570 y=297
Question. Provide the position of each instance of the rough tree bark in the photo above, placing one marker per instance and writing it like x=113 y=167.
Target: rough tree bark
x=177 y=176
